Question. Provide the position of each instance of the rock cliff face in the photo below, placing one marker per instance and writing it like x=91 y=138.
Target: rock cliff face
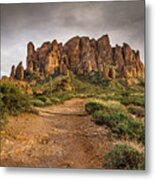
x=83 y=56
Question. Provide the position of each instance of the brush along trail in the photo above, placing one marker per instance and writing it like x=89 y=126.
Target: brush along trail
x=61 y=136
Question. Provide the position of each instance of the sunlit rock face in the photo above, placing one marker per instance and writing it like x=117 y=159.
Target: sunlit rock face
x=83 y=56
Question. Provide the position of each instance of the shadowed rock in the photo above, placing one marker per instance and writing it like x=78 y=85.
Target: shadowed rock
x=20 y=72
x=13 y=72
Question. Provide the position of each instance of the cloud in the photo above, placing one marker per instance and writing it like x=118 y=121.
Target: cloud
x=21 y=23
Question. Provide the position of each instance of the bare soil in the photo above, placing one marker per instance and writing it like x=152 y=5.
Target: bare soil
x=61 y=136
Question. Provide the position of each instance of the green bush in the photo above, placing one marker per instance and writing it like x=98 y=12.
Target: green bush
x=43 y=98
x=110 y=119
x=121 y=124
x=62 y=96
x=123 y=156
x=54 y=100
x=46 y=100
x=133 y=129
x=136 y=130
x=136 y=110
x=37 y=102
x=91 y=107
x=135 y=100
x=85 y=86
x=13 y=99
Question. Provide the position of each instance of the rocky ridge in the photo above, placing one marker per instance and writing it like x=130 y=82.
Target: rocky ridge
x=83 y=56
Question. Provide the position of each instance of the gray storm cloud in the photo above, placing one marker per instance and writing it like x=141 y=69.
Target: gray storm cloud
x=21 y=23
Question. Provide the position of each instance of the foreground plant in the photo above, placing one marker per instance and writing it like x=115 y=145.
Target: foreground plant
x=124 y=156
x=117 y=119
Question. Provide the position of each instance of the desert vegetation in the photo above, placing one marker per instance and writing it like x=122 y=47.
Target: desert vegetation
x=84 y=92
x=116 y=117
x=12 y=101
x=111 y=104
x=124 y=156
x=123 y=113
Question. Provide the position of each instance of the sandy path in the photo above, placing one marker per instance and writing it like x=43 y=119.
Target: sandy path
x=60 y=136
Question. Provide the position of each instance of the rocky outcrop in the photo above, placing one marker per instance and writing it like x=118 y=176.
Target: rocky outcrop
x=52 y=58
x=83 y=56
x=72 y=50
x=31 y=58
x=19 y=73
x=13 y=72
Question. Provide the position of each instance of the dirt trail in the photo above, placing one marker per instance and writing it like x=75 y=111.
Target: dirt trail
x=60 y=136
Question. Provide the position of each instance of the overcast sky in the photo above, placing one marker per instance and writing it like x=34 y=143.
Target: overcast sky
x=21 y=23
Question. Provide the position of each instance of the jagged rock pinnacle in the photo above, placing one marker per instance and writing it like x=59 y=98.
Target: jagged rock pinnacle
x=83 y=56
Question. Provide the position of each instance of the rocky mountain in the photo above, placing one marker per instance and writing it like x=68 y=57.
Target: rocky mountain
x=83 y=56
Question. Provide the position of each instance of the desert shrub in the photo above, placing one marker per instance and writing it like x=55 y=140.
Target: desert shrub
x=62 y=96
x=37 y=102
x=81 y=95
x=135 y=100
x=136 y=110
x=13 y=99
x=16 y=103
x=91 y=107
x=114 y=85
x=123 y=156
x=42 y=98
x=54 y=100
x=121 y=124
x=46 y=100
x=125 y=94
x=110 y=119
x=133 y=129
x=85 y=86
x=97 y=105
